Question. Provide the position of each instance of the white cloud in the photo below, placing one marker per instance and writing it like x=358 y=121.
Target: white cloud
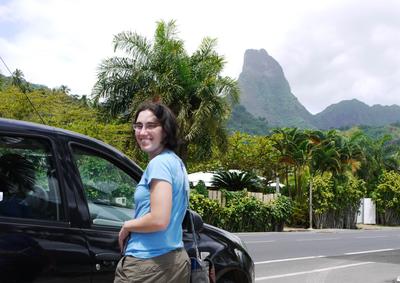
x=348 y=51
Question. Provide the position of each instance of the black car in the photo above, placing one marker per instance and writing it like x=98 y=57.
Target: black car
x=63 y=198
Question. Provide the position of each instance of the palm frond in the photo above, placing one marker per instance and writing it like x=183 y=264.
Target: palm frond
x=235 y=180
x=207 y=47
x=134 y=45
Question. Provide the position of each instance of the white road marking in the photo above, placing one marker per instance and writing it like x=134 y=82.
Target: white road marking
x=320 y=256
x=253 y=242
x=324 y=239
x=288 y=259
x=370 y=251
x=312 y=271
x=253 y=233
x=371 y=237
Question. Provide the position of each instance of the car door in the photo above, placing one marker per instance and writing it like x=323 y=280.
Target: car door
x=38 y=240
x=108 y=186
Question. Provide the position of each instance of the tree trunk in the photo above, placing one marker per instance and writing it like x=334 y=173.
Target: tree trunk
x=183 y=151
x=287 y=181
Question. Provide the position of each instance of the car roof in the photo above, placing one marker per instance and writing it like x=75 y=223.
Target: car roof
x=11 y=124
x=18 y=126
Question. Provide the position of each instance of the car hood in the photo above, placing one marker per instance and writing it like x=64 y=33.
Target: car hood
x=220 y=233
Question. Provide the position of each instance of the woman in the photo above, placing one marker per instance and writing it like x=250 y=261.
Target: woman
x=154 y=249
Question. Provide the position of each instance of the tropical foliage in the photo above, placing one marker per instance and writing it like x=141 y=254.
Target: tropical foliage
x=379 y=155
x=354 y=164
x=323 y=196
x=243 y=213
x=387 y=197
x=336 y=201
x=235 y=180
x=244 y=152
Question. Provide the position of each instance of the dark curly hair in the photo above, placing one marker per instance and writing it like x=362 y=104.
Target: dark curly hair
x=167 y=120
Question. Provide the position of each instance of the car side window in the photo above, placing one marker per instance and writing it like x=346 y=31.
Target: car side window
x=109 y=189
x=28 y=183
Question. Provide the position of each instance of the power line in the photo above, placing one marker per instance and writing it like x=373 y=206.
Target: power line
x=30 y=102
x=6 y=65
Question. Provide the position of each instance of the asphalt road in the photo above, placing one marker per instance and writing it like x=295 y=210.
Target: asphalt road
x=326 y=255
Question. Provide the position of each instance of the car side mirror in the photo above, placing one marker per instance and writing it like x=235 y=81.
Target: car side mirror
x=197 y=221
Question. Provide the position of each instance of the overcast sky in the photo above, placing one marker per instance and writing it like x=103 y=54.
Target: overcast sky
x=329 y=50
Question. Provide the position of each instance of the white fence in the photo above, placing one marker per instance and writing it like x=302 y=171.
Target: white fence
x=219 y=196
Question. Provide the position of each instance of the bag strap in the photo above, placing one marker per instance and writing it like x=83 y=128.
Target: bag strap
x=196 y=244
x=187 y=192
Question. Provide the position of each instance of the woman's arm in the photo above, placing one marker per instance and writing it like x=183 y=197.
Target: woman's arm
x=159 y=216
x=160 y=210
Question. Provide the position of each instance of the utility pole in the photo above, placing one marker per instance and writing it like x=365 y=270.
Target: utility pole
x=310 y=203
x=277 y=185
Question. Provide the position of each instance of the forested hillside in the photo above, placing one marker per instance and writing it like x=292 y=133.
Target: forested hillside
x=55 y=108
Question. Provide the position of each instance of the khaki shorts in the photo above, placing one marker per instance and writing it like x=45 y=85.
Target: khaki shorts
x=170 y=267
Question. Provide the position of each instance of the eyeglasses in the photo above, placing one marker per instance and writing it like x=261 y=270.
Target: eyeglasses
x=148 y=126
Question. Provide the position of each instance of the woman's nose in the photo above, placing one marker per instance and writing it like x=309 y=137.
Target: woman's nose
x=143 y=130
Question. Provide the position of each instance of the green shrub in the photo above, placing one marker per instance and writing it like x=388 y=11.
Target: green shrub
x=201 y=188
x=322 y=195
x=387 y=198
x=209 y=209
x=247 y=214
x=300 y=216
x=243 y=213
x=282 y=209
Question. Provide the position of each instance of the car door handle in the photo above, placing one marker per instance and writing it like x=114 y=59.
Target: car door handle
x=107 y=260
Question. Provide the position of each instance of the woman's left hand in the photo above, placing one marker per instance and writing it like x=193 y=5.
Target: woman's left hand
x=122 y=237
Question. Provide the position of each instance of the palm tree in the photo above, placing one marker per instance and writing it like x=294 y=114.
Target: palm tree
x=162 y=70
x=293 y=145
x=18 y=79
x=282 y=145
x=324 y=152
x=350 y=154
x=378 y=155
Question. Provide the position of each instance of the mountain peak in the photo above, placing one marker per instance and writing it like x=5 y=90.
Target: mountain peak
x=261 y=52
x=348 y=103
x=266 y=93
x=260 y=62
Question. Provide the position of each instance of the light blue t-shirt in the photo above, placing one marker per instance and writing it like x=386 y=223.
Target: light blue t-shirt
x=166 y=166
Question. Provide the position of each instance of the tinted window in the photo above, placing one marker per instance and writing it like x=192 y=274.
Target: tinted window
x=28 y=183
x=108 y=189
